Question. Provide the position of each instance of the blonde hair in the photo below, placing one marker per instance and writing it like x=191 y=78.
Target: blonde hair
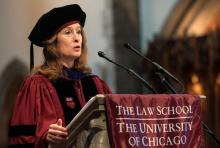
x=51 y=68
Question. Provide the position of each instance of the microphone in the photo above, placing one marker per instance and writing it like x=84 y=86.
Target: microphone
x=159 y=68
x=130 y=71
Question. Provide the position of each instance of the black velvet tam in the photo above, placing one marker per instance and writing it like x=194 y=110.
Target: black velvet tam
x=51 y=21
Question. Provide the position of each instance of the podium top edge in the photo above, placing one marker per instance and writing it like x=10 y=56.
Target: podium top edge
x=101 y=96
x=202 y=96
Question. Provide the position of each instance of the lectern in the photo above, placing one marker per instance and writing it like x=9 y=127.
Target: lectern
x=133 y=120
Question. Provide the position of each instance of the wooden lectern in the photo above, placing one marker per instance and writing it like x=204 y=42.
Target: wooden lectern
x=88 y=128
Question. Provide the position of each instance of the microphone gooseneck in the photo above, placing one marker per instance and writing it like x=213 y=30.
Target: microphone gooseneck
x=159 y=68
x=130 y=71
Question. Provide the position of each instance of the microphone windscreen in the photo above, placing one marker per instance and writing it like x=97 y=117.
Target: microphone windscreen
x=127 y=45
x=101 y=53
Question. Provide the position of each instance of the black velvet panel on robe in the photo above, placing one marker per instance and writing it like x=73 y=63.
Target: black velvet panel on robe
x=68 y=91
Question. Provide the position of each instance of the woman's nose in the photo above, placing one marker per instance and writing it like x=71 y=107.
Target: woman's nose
x=76 y=36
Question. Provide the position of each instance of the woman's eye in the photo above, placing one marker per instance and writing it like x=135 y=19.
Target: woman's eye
x=67 y=32
x=79 y=32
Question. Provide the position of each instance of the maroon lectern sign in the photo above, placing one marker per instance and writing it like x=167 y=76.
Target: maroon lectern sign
x=154 y=121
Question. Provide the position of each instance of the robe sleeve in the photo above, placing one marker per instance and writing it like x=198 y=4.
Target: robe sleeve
x=36 y=107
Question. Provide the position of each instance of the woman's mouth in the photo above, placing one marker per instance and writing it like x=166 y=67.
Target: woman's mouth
x=76 y=47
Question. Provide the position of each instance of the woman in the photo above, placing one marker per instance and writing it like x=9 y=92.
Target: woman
x=56 y=90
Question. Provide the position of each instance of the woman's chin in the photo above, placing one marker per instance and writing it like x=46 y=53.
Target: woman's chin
x=76 y=56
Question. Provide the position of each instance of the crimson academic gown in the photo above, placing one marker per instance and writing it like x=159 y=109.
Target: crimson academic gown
x=40 y=102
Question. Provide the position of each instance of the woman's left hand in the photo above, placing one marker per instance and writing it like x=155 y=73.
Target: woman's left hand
x=57 y=133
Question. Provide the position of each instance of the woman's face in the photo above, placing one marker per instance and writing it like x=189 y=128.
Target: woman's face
x=69 y=41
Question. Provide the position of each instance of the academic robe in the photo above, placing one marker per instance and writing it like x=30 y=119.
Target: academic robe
x=40 y=102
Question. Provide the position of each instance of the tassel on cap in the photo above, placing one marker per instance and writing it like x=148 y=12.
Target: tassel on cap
x=31 y=56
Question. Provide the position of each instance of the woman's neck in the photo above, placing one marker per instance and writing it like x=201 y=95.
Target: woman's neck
x=67 y=63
